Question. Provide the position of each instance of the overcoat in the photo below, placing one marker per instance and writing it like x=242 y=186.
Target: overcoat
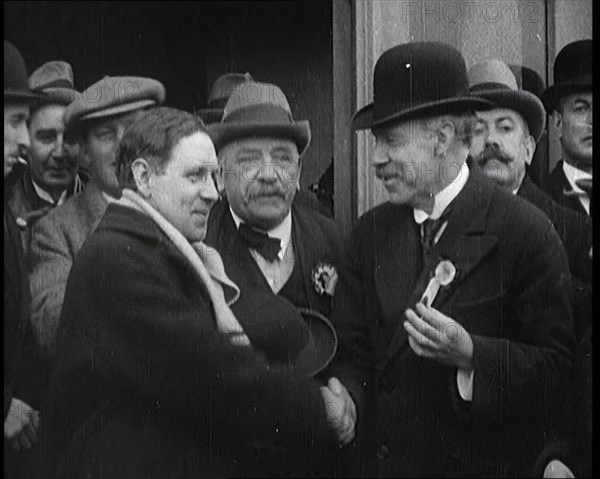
x=510 y=293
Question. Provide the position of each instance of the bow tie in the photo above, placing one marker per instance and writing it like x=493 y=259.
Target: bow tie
x=266 y=246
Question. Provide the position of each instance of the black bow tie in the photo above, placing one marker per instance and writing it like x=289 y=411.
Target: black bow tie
x=266 y=246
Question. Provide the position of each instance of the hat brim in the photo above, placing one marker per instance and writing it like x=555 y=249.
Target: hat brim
x=60 y=96
x=223 y=133
x=118 y=109
x=363 y=119
x=553 y=93
x=325 y=342
x=22 y=96
x=524 y=102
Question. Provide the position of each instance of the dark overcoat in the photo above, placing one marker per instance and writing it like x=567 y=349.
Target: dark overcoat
x=510 y=294
x=143 y=384
x=556 y=185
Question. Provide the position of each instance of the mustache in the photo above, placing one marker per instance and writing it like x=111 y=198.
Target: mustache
x=492 y=152
x=267 y=191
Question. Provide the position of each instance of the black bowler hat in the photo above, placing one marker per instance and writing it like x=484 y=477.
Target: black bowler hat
x=418 y=79
x=302 y=339
x=572 y=72
x=16 y=86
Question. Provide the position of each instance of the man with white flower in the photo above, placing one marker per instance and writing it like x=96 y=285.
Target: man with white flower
x=268 y=242
x=453 y=302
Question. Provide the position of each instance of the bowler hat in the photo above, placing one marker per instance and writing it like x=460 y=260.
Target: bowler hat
x=15 y=76
x=55 y=80
x=528 y=79
x=255 y=110
x=417 y=79
x=572 y=72
x=493 y=80
x=221 y=90
x=302 y=339
x=113 y=96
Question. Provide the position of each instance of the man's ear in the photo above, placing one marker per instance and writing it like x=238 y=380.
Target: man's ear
x=557 y=119
x=445 y=133
x=529 y=149
x=141 y=175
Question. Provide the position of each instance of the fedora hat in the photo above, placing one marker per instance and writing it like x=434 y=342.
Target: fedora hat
x=113 y=96
x=417 y=79
x=572 y=72
x=255 y=110
x=493 y=80
x=15 y=76
x=221 y=90
x=302 y=339
x=55 y=80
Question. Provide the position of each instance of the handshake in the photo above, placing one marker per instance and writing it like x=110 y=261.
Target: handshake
x=341 y=411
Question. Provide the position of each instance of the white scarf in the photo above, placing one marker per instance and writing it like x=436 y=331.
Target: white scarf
x=207 y=264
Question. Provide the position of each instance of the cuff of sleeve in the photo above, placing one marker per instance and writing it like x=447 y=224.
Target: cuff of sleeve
x=464 y=381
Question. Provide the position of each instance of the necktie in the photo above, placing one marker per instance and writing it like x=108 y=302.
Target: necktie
x=586 y=185
x=429 y=229
x=266 y=246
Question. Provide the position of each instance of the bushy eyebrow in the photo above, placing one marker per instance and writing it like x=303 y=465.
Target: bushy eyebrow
x=581 y=100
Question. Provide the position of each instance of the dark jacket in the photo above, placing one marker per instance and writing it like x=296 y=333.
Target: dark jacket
x=144 y=385
x=510 y=294
x=555 y=186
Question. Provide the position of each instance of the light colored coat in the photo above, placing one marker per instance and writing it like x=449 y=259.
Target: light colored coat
x=55 y=240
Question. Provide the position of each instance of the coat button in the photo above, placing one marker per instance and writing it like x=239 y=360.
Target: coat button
x=383 y=451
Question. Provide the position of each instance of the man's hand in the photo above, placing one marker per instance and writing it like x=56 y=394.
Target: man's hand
x=556 y=468
x=21 y=425
x=341 y=411
x=436 y=336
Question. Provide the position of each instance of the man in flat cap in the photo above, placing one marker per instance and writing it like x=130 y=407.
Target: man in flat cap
x=98 y=118
x=268 y=242
x=454 y=299
x=570 y=102
x=21 y=421
x=154 y=376
x=503 y=146
x=50 y=176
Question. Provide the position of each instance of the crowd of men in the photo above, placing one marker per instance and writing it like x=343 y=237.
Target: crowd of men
x=176 y=306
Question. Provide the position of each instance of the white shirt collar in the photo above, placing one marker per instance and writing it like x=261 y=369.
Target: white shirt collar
x=43 y=194
x=444 y=197
x=574 y=174
x=282 y=232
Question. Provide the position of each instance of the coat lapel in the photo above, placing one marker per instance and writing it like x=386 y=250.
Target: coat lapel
x=463 y=242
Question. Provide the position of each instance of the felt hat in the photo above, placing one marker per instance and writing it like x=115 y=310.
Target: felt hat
x=16 y=87
x=221 y=90
x=299 y=338
x=255 y=110
x=55 y=80
x=572 y=72
x=493 y=80
x=417 y=79
x=114 y=96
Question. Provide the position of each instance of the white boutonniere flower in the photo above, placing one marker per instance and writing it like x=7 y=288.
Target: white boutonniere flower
x=445 y=273
x=324 y=277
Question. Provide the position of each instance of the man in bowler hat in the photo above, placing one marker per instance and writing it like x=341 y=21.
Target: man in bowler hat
x=21 y=421
x=98 y=118
x=50 y=176
x=454 y=302
x=503 y=146
x=268 y=242
x=570 y=102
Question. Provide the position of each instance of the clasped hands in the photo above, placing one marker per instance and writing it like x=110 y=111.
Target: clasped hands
x=341 y=411
x=433 y=335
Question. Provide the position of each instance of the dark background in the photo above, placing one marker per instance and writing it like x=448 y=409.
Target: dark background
x=187 y=45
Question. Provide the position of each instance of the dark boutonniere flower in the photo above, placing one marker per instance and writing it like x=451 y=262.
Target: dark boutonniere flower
x=324 y=278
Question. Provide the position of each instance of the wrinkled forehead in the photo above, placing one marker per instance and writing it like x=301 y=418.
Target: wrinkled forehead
x=259 y=145
x=499 y=114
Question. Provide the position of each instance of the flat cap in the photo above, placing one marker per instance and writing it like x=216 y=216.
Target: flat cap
x=55 y=80
x=114 y=96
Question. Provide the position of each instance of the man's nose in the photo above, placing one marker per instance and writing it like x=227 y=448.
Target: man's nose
x=210 y=194
x=267 y=170
x=59 y=147
x=380 y=155
x=23 y=136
